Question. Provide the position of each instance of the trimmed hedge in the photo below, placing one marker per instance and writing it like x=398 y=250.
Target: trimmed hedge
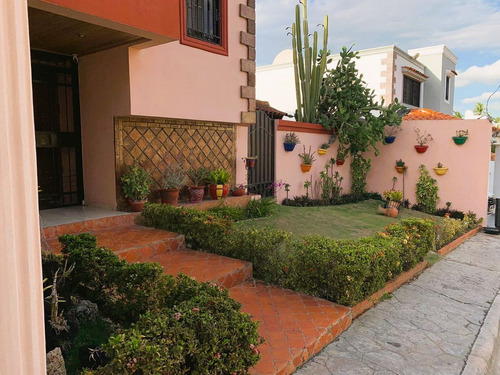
x=342 y=271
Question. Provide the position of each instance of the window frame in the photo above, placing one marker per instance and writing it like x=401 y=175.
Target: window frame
x=405 y=77
x=447 y=89
x=221 y=49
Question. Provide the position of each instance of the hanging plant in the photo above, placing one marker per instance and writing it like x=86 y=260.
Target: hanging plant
x=400 y=166
x=440 y=169
x=307 y=160
x=291 y=139
x=323 y=149
x=461 y=137
x=422 y=140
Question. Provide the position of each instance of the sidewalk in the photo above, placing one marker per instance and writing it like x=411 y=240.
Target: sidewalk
x=428 y=327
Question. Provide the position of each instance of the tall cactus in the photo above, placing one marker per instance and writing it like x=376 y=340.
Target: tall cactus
x=309 y=68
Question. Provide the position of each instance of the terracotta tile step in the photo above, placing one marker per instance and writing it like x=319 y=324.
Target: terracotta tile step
x=295 y=326
x=133 y=242
x=226 y=272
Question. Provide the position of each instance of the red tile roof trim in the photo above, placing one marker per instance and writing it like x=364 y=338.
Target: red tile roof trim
x=413 y=70
x=427 y=114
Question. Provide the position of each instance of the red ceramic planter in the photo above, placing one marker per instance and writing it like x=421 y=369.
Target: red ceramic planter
x=170 y=196
x=219 y=191
x=421 y=149
x=196 y=193
x=340 y=162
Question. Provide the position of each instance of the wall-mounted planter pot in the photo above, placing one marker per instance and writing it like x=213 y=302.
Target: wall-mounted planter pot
x=440 y=171
x=250 y=163
x=340 y=162
x=305 y=167
x=459 y=140
x=390 y=139
x=401 y=169
x=322 y=151
x=289 y=146
x=421 y=149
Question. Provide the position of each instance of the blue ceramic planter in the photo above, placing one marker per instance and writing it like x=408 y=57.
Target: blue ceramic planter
x=289 y=146
x=389 y=140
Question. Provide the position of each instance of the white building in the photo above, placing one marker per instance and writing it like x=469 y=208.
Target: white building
x=419 y=78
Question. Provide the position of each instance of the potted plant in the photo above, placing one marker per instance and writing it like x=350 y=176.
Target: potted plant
x=250 y=161
x=291 y=139
x=422 y=140
x=393 y=198
x=390 y=135
x=135 y=185
x=400 y=166
x=341 y=154
x=218 y=183
x=239 y=190
x=461 y=137
x=440 y=170
x=323 y=148
x=172 y=183
x=199 y=177
x=307 y=160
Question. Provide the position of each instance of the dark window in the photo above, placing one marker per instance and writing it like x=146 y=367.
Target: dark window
x=411 y=92
x=203 y=20
x=447 y=92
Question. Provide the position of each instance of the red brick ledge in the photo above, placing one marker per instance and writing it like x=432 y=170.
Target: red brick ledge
x=302 y=127
x=460 y=240
x=390 y=287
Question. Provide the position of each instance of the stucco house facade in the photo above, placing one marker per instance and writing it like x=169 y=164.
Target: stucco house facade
x=419 y=78
x=88 y=88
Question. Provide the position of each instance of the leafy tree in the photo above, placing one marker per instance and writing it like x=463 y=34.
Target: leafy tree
x=479 y=109
x=457 y=114
x=349 y=107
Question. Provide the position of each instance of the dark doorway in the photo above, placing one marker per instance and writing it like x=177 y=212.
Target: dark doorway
x=57 y=130
x=261 y=144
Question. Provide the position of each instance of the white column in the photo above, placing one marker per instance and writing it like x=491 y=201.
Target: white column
x=22 y=340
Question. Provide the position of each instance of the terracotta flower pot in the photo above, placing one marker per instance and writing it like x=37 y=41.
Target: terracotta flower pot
x=170 y=196
x=250 y=163
x=401 y=169
x=137 y=206
x=218 y=192
x=322 y=151
x=440 y=171
x=421 y=148
x=238 y=192
x=305 y=167
x=196 y=193
x=340 y=162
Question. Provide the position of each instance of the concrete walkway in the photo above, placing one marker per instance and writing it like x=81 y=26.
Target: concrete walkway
x=428 y=327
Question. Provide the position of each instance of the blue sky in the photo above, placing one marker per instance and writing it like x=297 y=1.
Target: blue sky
x=470 y=28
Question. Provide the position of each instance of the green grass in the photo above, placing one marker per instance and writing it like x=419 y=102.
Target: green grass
x=347 y=221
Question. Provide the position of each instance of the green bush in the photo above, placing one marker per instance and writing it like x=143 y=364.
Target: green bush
x=255 y=208
x=427 y=191
x=205 y=334
x=345 y=271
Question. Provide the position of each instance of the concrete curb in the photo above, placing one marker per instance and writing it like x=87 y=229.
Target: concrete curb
x=460 y=240
x=482 y=358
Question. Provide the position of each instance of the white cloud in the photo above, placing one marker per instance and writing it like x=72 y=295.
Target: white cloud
x=487 y=74
x=461 y=25
x=482 y=98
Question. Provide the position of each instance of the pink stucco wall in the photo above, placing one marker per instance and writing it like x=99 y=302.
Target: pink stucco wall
x=104 y=93
x=466 y=182
x=173 y=80
x=287 y=164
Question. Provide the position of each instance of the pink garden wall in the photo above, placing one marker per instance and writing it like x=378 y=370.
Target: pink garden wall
x=465 y=184
x=287 y=164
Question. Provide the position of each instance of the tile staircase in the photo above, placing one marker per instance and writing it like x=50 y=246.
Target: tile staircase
x=295 y=326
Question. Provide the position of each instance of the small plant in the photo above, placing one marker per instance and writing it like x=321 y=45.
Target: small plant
x=394 y=180
x=307 y=185
x=462 y=133
x=307 y=157
x=292 y=138
x=439 y=165
x=198 y=176
x=287 y=189
x=330 y=183
x=174 y=175
x=342 y=152
x=325 y=146
x=392 y=130
x=135 y=183
x=423 y=138
x=220 y=176
x=394 y=195
x=400 y=163
x=427 y=191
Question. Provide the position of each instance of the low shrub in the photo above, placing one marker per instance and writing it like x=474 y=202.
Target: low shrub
x=305 y=201
x=210 y=334
x=205 y=334
x=255 y=208
x=450 y=229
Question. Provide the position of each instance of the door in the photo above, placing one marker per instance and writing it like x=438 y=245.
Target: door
x=261 y=144
x=57 y=130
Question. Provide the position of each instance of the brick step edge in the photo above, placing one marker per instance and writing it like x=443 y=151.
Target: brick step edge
x=144 y=253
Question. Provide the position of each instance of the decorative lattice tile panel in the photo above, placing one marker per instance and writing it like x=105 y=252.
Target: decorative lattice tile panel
x=153 y=142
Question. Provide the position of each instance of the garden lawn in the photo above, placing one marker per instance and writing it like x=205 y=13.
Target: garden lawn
x=346 y=221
